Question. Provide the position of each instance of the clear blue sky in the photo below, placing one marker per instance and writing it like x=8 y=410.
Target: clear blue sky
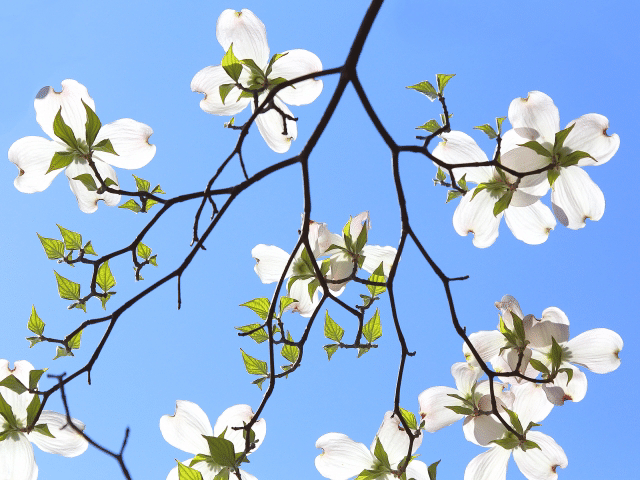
x=137 y=60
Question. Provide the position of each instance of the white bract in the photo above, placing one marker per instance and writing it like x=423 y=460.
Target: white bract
x=342 y=458
x=497 y=194
x=536 y=123
x=271 y=262
x=243 y=34
x=34 y=155
x=189 y=430
x=349 y=252
x=16 y=453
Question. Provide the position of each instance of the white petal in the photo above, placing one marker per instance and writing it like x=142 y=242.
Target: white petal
x=508 y=305
x=536 y=112
x=32 y=156
x=530 y=224
x=270 y=262
x=560 y=391
x=487 y=343
x=375 y=255
x=477 y=217
x=208 y=81
x=237 y=416
x=341 y=457
x=531 y=403
x=418 y=470
x=596 y=349
x=305 y=305
x=433 y=407
x=576 y=197
x=394 y=439
x=48 y=102
x=522 y=159
x=590 y=135
x=271 y=126
x=130 y=140
x=465 y=376
x=296 y=63
x=341 y=268
x=246 y=32
x=319 y=238
x=553 y=324
x=541 y=464
x=18 y=403
x=490 y=465
x=483 y=429
x=67 y=441
x=184 y=429
x=87 y=200
x=16 y=459
x=357 y=222
x=457 y=148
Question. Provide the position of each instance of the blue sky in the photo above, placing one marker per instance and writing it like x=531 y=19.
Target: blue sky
x=137 y=60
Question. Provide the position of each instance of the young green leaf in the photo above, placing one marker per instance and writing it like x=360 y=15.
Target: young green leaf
x=258 y=336
x=431 y=126
x=332 y=330
x=104 y=146
x=259 y=306
x=60 y=160
x=443 y=79
x=330 y=349
x=253 y=365
x=35 y=324
x=372 y=330
x=62 y=352
x=231 y=64
x=285 y=302
x=432 y=470
x=272 y=61
x=539 y=366
x=34 y=378
x=64 y=131
x=141 y=184
x=410 y=418
x=32 y=409
x=105 y=278
x=290 y=352
x=460 y=410
x=158 y=190
x=380 y=454
x=92 y=125
x=499 y=121
x=378 y=277
x=188 y=473
x=13 y=384
x=426 y=89
x=552 y=176
x=88 y=249
x=536 y=147
x=33 y=340
x=488 y=129
x=88 y=181
x=362 y=351
x=143 y=251
x=132 y=205
x=561 y=136
x=452 y=194
x=556 y=354
x=515 y=421
x=440 y=175
x=503 y=203
x=66 y=288
x=52 y=247
x=72 y=240
x=508 y=443
x=221 y=451
x=74 y=342
x=224 y=90
x=259 y=381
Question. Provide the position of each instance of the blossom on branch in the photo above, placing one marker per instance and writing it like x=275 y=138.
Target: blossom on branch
x=78 y=140
x=214 y=449
x=247 y=75
x=498 y=193
x=584 y=142
x=342 y=458
x=51 y=433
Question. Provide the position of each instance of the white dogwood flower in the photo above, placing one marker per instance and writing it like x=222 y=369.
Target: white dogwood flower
x=246 y=36
x=189 y=426
x=36 y=157
x=478 y=213
x=51 y=433
x=342 y=458
x=536 y=123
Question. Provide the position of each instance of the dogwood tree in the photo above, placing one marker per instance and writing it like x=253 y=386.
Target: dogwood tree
x=380 y=293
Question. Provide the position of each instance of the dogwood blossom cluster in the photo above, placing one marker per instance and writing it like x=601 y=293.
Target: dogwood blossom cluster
x=539 y=349
x=346 y=252
x=217 y=451
x=78 y=139
x=51 y=433
x=535 y=142
x=247 y=74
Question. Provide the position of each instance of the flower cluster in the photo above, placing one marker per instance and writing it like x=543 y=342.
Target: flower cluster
x=217 y=450
x=247 y=75
x=535 y=143
x=51 y=433
x=346 y=252
x=80 y=145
